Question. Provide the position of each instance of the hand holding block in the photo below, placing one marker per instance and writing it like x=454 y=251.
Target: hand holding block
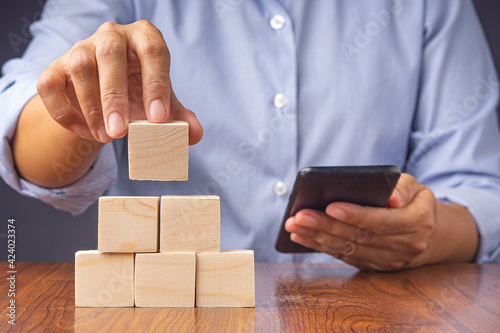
x=128 y=224
x=225 y=279
x=190 y=223
x=158 y=151
x=165 y=279
x=104 y=279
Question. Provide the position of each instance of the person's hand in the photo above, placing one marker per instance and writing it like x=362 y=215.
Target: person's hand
x=403 y=235
x=120 y=73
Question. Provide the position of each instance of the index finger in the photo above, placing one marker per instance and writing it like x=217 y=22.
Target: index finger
x=385 y=221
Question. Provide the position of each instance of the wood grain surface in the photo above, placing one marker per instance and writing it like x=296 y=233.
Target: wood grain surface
x=225 y=279
x=289 y=298
x=165 y=279
x=158 y=151
x=128 y=224
x=190 y=223
x=104 y=279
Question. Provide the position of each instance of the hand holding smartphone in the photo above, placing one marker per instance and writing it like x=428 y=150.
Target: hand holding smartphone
x=317 y=187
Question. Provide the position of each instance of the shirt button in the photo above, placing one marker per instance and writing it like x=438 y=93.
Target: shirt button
x=280 y=101
x=280 y=189
x=277 y=22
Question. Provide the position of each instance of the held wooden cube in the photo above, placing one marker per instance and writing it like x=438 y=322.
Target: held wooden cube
x=225 y=279
x=165 y=279
x=104 y=279
x=128 y=224
x=190 y=223
x=158 y=151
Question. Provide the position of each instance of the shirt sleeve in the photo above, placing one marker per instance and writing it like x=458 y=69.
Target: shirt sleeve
x=454 y=147
x=62 y=24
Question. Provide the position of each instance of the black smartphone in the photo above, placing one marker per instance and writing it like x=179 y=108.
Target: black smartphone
x=317 y=187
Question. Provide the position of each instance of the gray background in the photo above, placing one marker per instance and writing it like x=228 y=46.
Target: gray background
x=46 y=234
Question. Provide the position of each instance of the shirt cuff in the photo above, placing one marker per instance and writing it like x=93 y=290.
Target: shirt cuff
x=75 y=198
x=483 y=206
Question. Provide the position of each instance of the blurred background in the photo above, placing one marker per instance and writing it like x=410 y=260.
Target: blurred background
x=46 y=234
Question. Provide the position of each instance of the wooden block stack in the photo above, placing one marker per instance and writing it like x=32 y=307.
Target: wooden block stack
x=162 y=252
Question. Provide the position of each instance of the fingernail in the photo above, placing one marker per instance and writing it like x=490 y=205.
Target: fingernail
x=157 y=111
x=307 y=221
x=80 y=129
x=116 y=124
x=336 y=213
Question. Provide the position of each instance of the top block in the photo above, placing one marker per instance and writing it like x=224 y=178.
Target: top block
x=158 y=151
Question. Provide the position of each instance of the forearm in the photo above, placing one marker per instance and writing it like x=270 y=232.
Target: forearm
x=456 y=238
x=47 y=154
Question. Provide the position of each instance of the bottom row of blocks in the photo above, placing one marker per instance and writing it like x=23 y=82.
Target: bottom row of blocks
x=175 y=279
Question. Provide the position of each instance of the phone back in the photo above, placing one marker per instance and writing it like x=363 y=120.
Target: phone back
x=317 y=187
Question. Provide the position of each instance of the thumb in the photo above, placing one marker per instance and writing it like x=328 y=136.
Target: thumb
x=397 y=200
x=405 y=191
x=179 y=112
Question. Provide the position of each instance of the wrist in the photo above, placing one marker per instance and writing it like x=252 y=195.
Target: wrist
x=47 y=154
x=456 y=237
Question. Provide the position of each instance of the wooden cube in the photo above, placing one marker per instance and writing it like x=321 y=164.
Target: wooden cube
x=190 y=223
x=158 y=151
x=104 y=279
x=128 y=224
x=165 y=279
x=225 y=279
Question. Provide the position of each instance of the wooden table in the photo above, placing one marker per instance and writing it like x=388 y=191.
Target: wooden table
x=289 y=297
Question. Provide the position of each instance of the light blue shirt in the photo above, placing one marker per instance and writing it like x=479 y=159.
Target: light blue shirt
x=409 y=83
